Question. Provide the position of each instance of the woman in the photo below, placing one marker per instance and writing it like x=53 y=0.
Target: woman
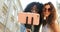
x=34 y=7
x=49 y=18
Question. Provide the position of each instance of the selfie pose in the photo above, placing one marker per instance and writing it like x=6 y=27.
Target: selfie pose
x=49 y=18
x=34 y=7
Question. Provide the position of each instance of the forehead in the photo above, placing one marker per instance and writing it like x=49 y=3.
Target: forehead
x=47 y=6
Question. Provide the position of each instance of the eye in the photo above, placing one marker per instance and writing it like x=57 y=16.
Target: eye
x=49 y=9
x=44 y=9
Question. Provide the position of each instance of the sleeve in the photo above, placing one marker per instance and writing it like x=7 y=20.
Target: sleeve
x=22 y=28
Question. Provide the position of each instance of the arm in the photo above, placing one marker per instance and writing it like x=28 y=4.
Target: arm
x=55 y=26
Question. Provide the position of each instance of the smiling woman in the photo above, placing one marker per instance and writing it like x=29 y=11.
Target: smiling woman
x=47 y=11
x=9 y=10
x=49 y=18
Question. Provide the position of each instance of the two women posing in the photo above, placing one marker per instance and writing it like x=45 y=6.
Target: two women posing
x=48 y=17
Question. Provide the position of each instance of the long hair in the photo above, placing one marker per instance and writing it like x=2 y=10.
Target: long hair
x=39 y=7
x=52 y=17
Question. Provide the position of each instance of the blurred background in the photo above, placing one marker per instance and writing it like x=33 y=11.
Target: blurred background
x=9 y=10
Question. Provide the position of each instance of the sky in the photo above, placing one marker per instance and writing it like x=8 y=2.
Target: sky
x=24 y=3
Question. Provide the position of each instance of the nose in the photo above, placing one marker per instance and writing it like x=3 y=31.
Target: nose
x=46 y=11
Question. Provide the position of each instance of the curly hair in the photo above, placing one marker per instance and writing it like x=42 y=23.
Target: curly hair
x=39 y=7
x=29 y=7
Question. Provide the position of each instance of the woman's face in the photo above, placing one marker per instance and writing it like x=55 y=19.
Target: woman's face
x=34 y=9
x=46 y=10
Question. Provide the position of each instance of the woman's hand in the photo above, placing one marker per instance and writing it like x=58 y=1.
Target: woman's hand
x=28 y=30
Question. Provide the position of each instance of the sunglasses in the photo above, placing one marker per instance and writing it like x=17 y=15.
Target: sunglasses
x=49 y=9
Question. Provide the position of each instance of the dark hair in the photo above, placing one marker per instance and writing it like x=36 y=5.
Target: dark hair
x=39 y=6
x=52 y=17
